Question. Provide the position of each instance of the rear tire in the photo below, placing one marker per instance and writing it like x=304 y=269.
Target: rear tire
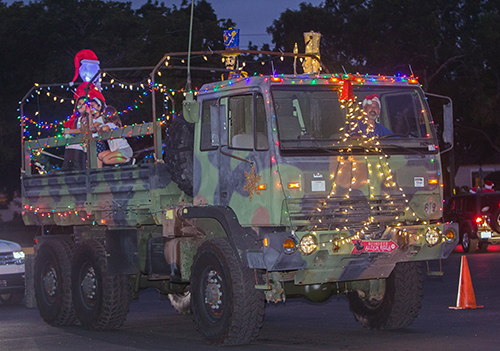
x=227 y=309
x=11 y=299
x=101 y=300
x=400 y=304
x=483 y=246
x=52 y=280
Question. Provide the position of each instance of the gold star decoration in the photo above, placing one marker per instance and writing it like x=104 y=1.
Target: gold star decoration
x=251 y=184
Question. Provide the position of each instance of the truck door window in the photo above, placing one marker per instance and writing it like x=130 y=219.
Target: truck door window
x=206 y=131
x=243 y=112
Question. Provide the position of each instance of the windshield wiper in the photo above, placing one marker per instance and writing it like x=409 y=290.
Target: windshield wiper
x=421 y=154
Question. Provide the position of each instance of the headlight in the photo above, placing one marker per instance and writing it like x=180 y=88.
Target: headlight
x=19 y=257
x=308 y=244
x=18 y=254
x=432 y=236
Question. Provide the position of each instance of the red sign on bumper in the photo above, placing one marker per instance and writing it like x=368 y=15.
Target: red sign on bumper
x=373 y=246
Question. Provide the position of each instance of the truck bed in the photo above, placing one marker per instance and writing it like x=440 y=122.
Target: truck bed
x=118 y=196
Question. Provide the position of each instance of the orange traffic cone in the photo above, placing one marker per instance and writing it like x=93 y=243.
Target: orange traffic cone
x=466 y=298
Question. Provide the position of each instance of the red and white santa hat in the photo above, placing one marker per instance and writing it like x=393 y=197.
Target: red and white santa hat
x=370 y=99
x=85 y=54
x=488 y=184
x=93 y=93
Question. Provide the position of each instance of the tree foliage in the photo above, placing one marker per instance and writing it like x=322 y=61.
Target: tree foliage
x=40 y=40
x=451 y=45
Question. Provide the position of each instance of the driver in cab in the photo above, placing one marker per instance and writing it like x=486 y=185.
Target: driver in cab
x=371 y=108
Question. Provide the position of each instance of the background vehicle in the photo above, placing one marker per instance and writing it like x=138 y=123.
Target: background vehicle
x=478 y=218
x=261 y=194
x=11 y=273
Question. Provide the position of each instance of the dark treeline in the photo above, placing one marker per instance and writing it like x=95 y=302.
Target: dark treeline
x=451 y=45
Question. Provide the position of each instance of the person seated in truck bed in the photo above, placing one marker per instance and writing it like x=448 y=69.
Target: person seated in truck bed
x=119 y=148
x=87 y=110
x=75 y=155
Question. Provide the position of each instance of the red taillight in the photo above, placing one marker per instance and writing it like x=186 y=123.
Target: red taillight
x=479 y=220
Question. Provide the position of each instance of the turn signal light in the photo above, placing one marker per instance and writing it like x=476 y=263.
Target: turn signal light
x=295 y=185
x=433 y=181
x=450 y=235
x=289 y=246
x=261 y=186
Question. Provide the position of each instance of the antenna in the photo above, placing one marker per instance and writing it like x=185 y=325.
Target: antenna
x=345 y=72
x=188 y=84
x=411 y=71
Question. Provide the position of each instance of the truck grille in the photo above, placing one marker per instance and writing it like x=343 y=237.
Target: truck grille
x=352 y=214
x=7 y=258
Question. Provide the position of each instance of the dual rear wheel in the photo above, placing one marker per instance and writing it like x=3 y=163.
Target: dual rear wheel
x=72 y=286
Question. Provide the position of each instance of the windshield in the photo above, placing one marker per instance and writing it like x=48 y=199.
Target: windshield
x=313 y=117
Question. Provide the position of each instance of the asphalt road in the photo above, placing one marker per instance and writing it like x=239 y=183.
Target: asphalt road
x=152 y=324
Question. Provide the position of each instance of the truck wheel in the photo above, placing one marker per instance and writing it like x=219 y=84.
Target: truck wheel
x=178 y=155
x=101 y=300
x=227 y=309
x=469 y=245
x=181 y=302
x=11 y=299
x=52 y=280
x=400 y=303
x=483 y=246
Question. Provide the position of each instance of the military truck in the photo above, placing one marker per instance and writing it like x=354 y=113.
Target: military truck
x=263 y=193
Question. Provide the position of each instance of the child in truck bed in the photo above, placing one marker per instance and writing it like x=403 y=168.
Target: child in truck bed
x=119 y=149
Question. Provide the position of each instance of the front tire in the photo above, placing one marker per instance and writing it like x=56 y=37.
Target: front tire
x=401 y=301
x=52 y=280
x=11 y=299
x=227 y=309
x=101 y=300
x=469 y=245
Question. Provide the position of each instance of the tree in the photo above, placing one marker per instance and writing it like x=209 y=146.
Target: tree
x=40 y=40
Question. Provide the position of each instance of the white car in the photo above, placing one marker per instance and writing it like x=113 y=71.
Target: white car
x=11 y=273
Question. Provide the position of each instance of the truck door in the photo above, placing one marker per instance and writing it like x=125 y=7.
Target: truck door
x=245 y=171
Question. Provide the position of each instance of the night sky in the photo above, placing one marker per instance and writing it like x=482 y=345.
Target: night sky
x=251 y=17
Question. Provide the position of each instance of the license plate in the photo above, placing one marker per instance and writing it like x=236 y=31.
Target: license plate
x=485 y=235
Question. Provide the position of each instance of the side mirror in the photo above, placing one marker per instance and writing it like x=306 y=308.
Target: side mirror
x=448 y=123
x=191 y=109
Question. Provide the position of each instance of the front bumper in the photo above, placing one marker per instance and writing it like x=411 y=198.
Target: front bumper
x=339 y=258
x=11 y=283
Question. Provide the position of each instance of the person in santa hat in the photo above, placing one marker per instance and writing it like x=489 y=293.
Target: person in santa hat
x=89 y=103
x=475 y=190
x=371 y=108
x=488 y=187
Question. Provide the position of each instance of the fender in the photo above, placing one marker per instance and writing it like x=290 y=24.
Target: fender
x=241 y=239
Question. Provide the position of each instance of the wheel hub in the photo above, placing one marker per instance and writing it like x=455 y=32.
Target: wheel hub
x=213 y=293
x=89 y=286
x=50 y=282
